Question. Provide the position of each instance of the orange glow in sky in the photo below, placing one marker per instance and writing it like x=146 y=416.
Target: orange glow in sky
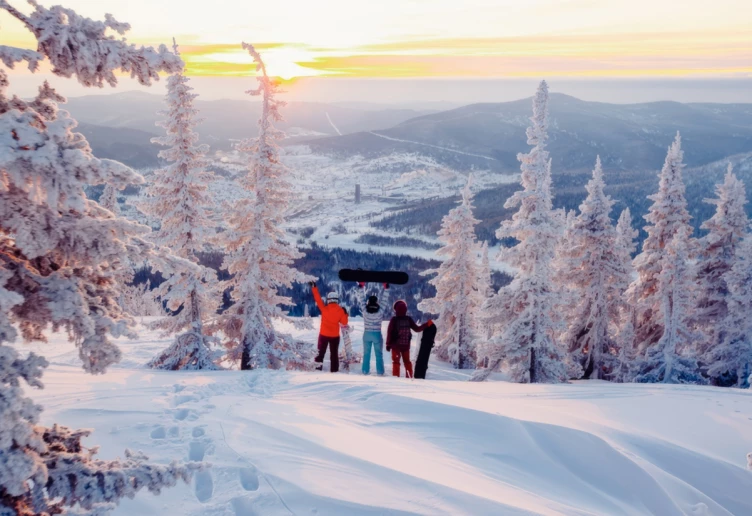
x=441 y=38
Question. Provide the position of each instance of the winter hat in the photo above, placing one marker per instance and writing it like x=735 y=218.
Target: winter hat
x=332 y=297
x=373 y=305
x=400 y=307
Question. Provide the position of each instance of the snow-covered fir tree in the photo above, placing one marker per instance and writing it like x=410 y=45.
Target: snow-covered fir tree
x=598 y=277
x=731 y=359
x=522 y=315
x=109 y=199
x=59 y=255
x=624 y=248
x=667 y=216
x=665 y=362
x=458 y=289
x=260 y=253
x=726 y=228
x=178 y=197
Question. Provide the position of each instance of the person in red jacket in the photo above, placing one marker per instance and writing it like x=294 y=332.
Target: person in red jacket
x=398 y=337
x=332 y=315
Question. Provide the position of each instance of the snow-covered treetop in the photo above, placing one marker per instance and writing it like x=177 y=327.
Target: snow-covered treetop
x=730 y=215
x=537 y=132
x=81 y=47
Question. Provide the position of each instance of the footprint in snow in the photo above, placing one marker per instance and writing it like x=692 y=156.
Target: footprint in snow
x=249 y=478
x=197 y=450
x=243 y=506
x=197 y=432
x=204 y=487
x=158 y=433
x=184 y=413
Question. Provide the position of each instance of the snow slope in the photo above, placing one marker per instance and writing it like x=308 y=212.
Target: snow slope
x=343 y=444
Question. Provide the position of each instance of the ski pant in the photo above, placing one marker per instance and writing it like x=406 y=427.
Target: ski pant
x=405 y=355
x=333 y=344
x=421 y=364
x=373 y=339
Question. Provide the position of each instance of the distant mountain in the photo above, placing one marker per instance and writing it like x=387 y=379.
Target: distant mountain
x=130 y=146
x=228 y=120
x=627 y=137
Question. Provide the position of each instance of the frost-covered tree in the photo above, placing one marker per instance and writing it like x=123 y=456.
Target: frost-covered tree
x=732 y=357
x=624 y=248
x=59 y=256
x=667 y=216
x=664 y=362
x=458 y=289
x=726 y=228
x=598 y=277
x=260 y=253
x=179 y=198
x=522 y=315
x=109 y=199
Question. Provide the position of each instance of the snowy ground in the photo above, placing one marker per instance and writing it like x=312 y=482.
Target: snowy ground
x=344 y=444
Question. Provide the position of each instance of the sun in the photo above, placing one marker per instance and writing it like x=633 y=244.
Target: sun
x=281 y=62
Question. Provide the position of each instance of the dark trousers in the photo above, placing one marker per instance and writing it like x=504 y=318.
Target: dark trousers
x=333 y=344
x=421 y=364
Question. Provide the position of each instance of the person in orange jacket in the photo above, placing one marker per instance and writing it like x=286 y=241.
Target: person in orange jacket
x=332 y=315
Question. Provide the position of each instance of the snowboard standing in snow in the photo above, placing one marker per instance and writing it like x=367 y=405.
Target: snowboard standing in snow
x=424 y=353
x=347 y=355
x=361 y=276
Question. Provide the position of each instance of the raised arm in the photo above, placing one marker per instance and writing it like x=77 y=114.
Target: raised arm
x=361 y=294
x=384 y=300
x=317 y=298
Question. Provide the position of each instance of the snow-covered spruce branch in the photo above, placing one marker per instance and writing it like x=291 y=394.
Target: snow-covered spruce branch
x=61 y=256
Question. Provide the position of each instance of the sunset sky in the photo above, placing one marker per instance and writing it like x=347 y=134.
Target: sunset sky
x=441 y=38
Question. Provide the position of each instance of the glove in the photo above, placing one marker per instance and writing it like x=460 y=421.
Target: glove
x=386 y=286
x=388 y=348
x=362 y=284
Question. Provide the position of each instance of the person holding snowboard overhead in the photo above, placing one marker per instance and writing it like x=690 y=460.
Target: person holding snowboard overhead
x=332 y=315
x=398 y=338
x=373 y=309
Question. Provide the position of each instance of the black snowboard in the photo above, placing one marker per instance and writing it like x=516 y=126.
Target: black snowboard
x=424 y=353
x=393 y=277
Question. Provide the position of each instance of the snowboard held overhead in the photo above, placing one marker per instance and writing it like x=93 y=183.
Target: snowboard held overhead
x=361 y=276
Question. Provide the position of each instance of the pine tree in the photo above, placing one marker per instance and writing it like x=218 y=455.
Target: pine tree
x=179 y=198
x=260 y=254
x=596 y=274
x=522 y=314
x=624 y=248
x=667 y=216
x=732 y=357
x=458 y=291
x=717 y=251
x=664 y=361
x=59 y=255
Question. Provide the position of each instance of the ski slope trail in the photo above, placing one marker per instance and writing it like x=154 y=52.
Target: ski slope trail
x=332 y=124
x=432 y=146
x=282 y=443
